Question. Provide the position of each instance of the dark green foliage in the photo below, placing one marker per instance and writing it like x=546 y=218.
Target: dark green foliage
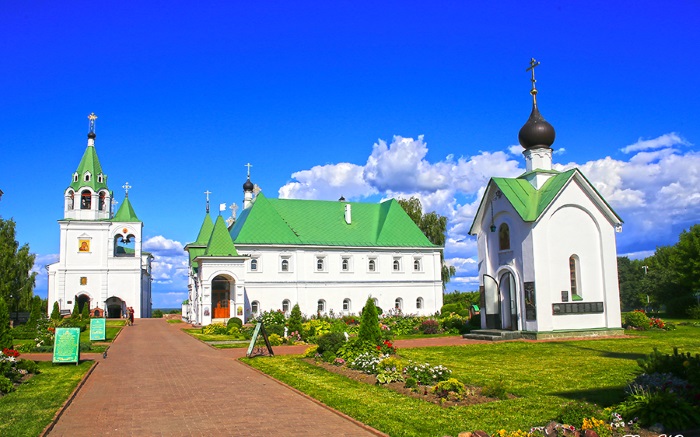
x=75 y=314
x=475 y=322
x=369 y=325
x=275 y=329
x=429 y=326
x=55 y=312
x=28 y=365
x=157 y=314
x=295 y=320
x=24 y=332
x=354 y=347
x=5 y=334
x=694 y=312
x=496 y=389
x=36 y=314
x=573 y=413
x=6 y=385
x=411 y=383
x=328 y=356
x=455 y=324
x=451 y=308
x=234 y=321
x=463 y=298
x=330 y=342
x=636 y=319
x=684 y=366
x=666 y=407
x=16 y=276
x=85 y=315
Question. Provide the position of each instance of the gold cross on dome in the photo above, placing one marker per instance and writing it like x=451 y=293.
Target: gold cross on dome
x=92 y=117
x=533 y=91
x=127 y=187
x=248 y=165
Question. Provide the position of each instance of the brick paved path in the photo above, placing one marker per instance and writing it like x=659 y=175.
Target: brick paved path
x=158 y=380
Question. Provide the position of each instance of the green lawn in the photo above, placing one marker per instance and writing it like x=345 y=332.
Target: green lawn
x=543 y=376
x=27 y=411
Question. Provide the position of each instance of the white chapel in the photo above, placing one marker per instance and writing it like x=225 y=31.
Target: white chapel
x=101 y=262
x=546 y=246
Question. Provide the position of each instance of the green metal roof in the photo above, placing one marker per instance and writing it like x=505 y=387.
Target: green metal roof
x=90 y=162
x=126 y=213
x=205 y=231
x=528 y=201
x=220 y=242
x=317 y=222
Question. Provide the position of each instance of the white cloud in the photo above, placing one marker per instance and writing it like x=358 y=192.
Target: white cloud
x=170 y=263
x=328 y=182
x=665 y=140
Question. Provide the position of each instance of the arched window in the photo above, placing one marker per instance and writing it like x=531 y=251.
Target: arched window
x=347 y=307
x=101 y=204
x=419 y=303
x=372 y=265
x=75 y=177
x=255 y=307
x=85 y=200
x=285 y=265
x=99 y=178
x=398 y=304
x=574 y=275
x=71 y=200
x=253 y=265
x=319 y=264
x=87 y=177
x=321 y=306
x=503 y=237
x=285 y=306
x=416 y=265
x=345 y=265
x=397 y=265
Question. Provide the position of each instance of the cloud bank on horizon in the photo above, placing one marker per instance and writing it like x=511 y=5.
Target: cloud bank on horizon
x=654 y=187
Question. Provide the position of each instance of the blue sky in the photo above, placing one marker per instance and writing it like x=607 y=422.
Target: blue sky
x=365 y=99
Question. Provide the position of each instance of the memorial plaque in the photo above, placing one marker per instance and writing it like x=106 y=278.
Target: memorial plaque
x=66 y=345
x=530 y=307
x=97 y=330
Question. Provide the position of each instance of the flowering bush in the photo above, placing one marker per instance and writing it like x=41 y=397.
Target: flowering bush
x=366 y=362
x=429 y=326
x=339 y=362
x=656 y=323
x=426 y=374
x=315 y=328
x=272 y=318
x=274 y=339
x=386 y=348
x=215 y=329
x=601 y=428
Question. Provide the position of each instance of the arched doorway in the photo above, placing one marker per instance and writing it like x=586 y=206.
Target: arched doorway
x=115 y=308
x=221 y=297
x=83 y=300
x=509 y=306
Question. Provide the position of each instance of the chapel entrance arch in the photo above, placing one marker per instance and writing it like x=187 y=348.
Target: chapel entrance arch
x=115 y=307
x=83 y=300
x=221 y=297
x=500 y=301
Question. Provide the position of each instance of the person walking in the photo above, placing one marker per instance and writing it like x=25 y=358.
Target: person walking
x=131 y=315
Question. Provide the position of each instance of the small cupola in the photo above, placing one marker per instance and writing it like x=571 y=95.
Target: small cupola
x=536 y=136
x=248 y=188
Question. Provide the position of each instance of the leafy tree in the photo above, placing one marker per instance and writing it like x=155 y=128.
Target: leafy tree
x=35 y=315
x=434 y=227
x=463 y=298
x=686 y=260
x=16 y=276
x=56 y=312
x=295 y=319
x=369 y=324
x=5 y=333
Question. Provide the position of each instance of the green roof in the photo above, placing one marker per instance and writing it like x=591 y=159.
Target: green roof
x=126 y=213
x=89 y=163
x=528 y=201
x=317 y=222
x=205 y=231
x=220 y=242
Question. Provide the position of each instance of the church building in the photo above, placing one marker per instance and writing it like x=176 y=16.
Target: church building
x=326 y=256
x=101 y=263
x=546 y=246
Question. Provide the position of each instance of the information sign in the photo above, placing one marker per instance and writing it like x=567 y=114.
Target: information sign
x=66 y=345
x=259 y=328
x=97 y=329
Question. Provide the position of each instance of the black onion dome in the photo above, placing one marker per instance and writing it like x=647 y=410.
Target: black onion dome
x=536 y=132
x=92 y=135
x=248 y=185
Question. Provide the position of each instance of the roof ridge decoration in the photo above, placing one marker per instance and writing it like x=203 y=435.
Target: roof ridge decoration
x=220 y=242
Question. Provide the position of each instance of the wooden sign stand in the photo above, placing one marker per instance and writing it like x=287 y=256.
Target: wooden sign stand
x=255 y=352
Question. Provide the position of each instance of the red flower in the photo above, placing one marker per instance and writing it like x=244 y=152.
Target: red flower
x=379 y=348
x=10 y=352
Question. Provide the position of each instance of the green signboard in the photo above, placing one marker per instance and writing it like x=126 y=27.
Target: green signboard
x=97 y=329
x=66 y=345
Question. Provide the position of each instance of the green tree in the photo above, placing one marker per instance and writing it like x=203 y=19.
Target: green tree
x=434 y=227
x=85 y=315
x=5 y=332
x=75 y=314
x=16 y=276
x=35 y=315
x=56 y=312
x=295 y=320
x=369 y=324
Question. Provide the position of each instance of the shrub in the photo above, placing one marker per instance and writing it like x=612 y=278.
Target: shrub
x=330 y=342
x=295 y=319
x=328 y=356
x=389 y=375
x=315 y=328
x=402 y=325
x=5 y=334
x=450 y=388
x=694 y=312
x=274 y=339
x=234 y=321
x=573 y=413
x=272 y=318
x=450 y=308
x=310 y=351
x=6 y=385
x=454 y=324
x=366 y=362
x=636 y=319
x=35 y=314
x=426 y=374
x=663 y=406
x=275 y=329
x=28 y=365
x=369 y=326
x=157 y=314
x=354 y=347
x=429 y=326
x=215 y=329
x=684 y=366
x=495 y=389
x=602 y=428
x=411 y=383
x=55 y=312
x=85 y=314
x=390 y=363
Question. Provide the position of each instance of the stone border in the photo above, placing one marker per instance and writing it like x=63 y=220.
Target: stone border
x=68 y=401
x=319 y=403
